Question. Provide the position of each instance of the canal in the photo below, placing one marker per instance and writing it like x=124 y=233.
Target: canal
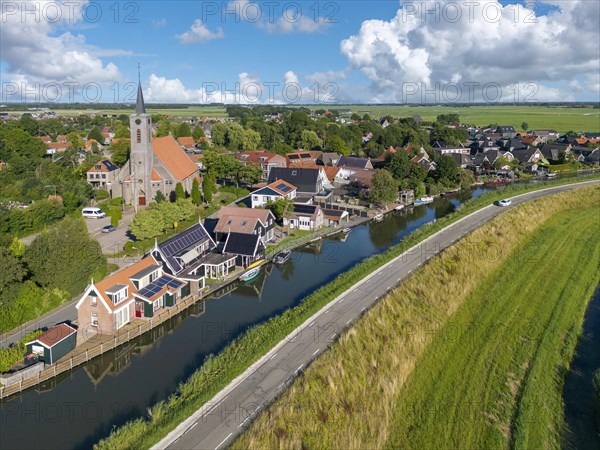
x=78 y=408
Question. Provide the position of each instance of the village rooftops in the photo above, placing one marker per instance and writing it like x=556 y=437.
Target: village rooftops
x=174 y=249
x=145 y=272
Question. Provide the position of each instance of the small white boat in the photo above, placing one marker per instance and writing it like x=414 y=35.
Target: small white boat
x=378 y=218
x=399 y=208
x=282 y=257
x=346 y=230
x=550 y=175
x=424 y=200
x=250 y=275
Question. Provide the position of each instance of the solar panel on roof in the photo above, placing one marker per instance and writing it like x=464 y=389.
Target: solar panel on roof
x=283 y=187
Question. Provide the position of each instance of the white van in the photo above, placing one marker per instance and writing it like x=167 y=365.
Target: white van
x=93 y=212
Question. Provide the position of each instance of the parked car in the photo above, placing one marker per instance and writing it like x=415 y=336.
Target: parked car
x=93 y=212
x=108 y=228
x=505 y=202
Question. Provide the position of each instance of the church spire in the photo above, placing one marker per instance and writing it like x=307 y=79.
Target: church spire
x=140 y=107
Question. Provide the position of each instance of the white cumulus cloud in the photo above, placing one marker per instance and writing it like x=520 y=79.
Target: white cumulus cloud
x=198 y=32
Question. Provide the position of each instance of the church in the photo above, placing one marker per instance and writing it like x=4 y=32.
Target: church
x=155 y=164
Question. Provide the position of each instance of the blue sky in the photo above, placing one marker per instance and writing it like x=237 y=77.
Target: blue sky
x=370 y=51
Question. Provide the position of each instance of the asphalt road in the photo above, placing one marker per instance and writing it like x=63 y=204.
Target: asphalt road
x=220 y=421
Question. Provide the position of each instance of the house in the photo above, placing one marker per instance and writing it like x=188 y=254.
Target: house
x=334 y=217
x=187 y=143
x=305 y=217
x=61 y=138
x=57 y=147
x=302 y=158
x=103 y=175
x=183 y=251
x=546 y=135
x=93 y=145
x=328 y=159
x=45 y=139
x=135 y=291
x=267 y=161
x=231 y=219
x=308 y=180
x=270 y=193
x=506 y=131
x=533 y=141
x=424 y=162
x=108 y=133
x=155 y=164
x=462 y=160
x=384 y=122
x=246 y=248
x=353 y=162
x=361 y=179
x=529 y=155
x=553 y=152
x=53 y=344
x=586 y=154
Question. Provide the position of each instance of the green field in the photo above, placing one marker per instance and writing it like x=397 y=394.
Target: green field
x=542 y=117
x=559 y=118
x=467 y=353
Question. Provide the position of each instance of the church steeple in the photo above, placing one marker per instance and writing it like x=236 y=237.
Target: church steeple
x=140 y=107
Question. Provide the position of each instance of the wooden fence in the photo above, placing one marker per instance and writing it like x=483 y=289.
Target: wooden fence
x=82 y=355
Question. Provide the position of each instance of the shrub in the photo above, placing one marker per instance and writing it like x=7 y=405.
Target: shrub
x=117 y=201
x=101 y=194
x=9 y=356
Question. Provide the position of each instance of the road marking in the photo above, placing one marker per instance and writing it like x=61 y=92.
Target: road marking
x=399 y=279
x=355 y=290
x=350 y=320
x=333 y=335
x=223 y=441
x=316 y=351
x=409 y=271
x=274 y=355
x=376 y=298
x=341 y=299
x=280 y=385
x=326 y=311
x=388 y=288
x=300 y=367
x=364 y=307
x=190 y=428
x=242 y=424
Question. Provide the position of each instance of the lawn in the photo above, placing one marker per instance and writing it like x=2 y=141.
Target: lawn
x=542 y=117
x=467 y=353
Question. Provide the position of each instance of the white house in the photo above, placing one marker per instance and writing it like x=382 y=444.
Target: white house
x=270 y=193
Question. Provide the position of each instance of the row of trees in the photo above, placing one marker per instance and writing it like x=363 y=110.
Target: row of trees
x=57 y=265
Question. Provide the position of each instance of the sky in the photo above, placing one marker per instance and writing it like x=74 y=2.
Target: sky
x=328 y=52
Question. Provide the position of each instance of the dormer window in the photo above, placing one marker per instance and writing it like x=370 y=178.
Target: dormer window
x=98 y=167
x=117 y=293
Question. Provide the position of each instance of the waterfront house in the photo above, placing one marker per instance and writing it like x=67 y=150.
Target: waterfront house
x=53 y=344
x=246 y=248
x=553 y=152
x=305 y=217
x=272 y=192
x=108 y=305
x=334 y=217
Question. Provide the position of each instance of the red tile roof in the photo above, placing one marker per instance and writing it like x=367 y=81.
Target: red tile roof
x=122 y=277
x=186 y=142
x=55 y=334
x=170 y=153
x=255 y=157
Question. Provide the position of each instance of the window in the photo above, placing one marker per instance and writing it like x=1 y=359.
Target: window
x=265 y=198
x=94 y=301
x=94 y=319
x=103 y=175
x=98 y=167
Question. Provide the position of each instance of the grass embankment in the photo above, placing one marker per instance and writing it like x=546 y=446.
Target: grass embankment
x=473 y=345
x=217 y=371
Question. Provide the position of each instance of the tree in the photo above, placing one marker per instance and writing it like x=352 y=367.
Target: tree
x=524 y=126
x=467 y=178
x=148 y=223
x=248 y=173
x=64 y=256
x=164 y=128
x=281 y=208
x=448 y=119
x=197 y=133
x=121 y=132
x=447 y=171
x=17 y=248
x=251 y=139
x=11 y=270
x=310 y=140
x=120 y=152
x=179 y=192
x=196 y=195
x=96 y=134
x=384 y=189
x=501 y=161
x=75 y=140
x=336 y=144
x=183 y=130
x=159 y=197
x=209 y=186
